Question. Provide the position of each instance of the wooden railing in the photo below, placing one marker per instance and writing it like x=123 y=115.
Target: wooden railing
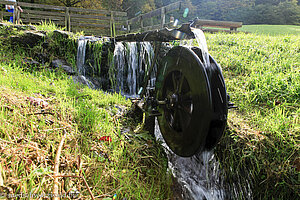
x=136 y=24
x=102 y=22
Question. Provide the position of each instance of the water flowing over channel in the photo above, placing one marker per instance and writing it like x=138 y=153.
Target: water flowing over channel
x=121 y=69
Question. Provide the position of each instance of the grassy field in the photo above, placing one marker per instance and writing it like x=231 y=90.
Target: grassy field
x=272 y=29
x=262 y=74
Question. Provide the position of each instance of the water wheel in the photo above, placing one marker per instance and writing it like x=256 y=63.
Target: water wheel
x=195 y=110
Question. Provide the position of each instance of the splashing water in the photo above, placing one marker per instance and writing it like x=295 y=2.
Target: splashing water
x=198 y=175
x=200 y=38
x=82 y=41
x=132 y=67
x=119 y=62
x=147 y=53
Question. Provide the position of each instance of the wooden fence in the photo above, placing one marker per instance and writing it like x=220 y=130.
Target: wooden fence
x=102 y=22
x=205 y=25
x=137 y=24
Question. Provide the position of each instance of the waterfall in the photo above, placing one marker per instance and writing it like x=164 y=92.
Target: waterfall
x=200 y=38
x=132 y=58
x=147 y=52
x=81 y=50
x=119 y=64
x=199 y=175
x=131 y=61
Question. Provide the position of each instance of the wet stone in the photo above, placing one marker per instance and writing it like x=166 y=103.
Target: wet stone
x=62 y=64
x=83 y=80
x=28 y=38
x=63 y=34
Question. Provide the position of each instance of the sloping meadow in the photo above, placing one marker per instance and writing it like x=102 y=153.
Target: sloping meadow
x=261 y=146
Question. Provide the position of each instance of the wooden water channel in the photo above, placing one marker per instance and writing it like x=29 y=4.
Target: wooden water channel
x=104 y=22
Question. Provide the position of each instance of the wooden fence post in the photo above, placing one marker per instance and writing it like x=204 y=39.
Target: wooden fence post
x=15 y=13
x=68 y=19
x=142 y=23
x=18 y=15
x=128 y=26
x=112 y=25
x=163 y=17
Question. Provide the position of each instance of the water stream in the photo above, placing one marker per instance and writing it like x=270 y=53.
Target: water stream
x=199 y=175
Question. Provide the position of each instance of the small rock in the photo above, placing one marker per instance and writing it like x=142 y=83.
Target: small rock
x=82 y=80
x=28 y=38
x=3 y=70
x=31 y=62
x=63 y=65
x=63 y=34
x=25 y=27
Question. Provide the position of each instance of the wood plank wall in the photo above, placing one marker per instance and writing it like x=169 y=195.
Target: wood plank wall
x=102 y=22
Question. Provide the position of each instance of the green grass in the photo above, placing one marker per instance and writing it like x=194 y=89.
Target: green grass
x=131 y=166
x=262 y=75
x=272 y=29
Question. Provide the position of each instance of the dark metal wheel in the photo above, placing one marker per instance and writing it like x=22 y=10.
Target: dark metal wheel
x=183 y=84
x=178 y=111
x=219 y=101
x=195 y=111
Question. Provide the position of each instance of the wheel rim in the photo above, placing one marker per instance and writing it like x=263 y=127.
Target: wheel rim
x=183 y=83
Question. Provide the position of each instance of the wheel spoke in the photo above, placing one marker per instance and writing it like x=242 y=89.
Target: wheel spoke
x=187 y=97
x=185 y=119
x=179 y=87
x=186 y=108
x=174 y=81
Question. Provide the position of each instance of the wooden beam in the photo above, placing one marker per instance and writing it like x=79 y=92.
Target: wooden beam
x=45 y=17
x=95 y=17
x=157 y=12
x=104 y=12
x=49 y=7
x=39 y=12
x=218 y=24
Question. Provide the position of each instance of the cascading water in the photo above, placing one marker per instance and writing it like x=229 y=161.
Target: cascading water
x=82 y=41
x=119 y=63
x=200 y=38
x=199 y=175
x=132 y=67
x=147 y=55
x=131 y=61
x=81 y=60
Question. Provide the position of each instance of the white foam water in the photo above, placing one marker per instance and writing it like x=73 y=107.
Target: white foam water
x=200 y=38
x=81 y=49
x=119 y=62
x=199 y=175
x=132 y=58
